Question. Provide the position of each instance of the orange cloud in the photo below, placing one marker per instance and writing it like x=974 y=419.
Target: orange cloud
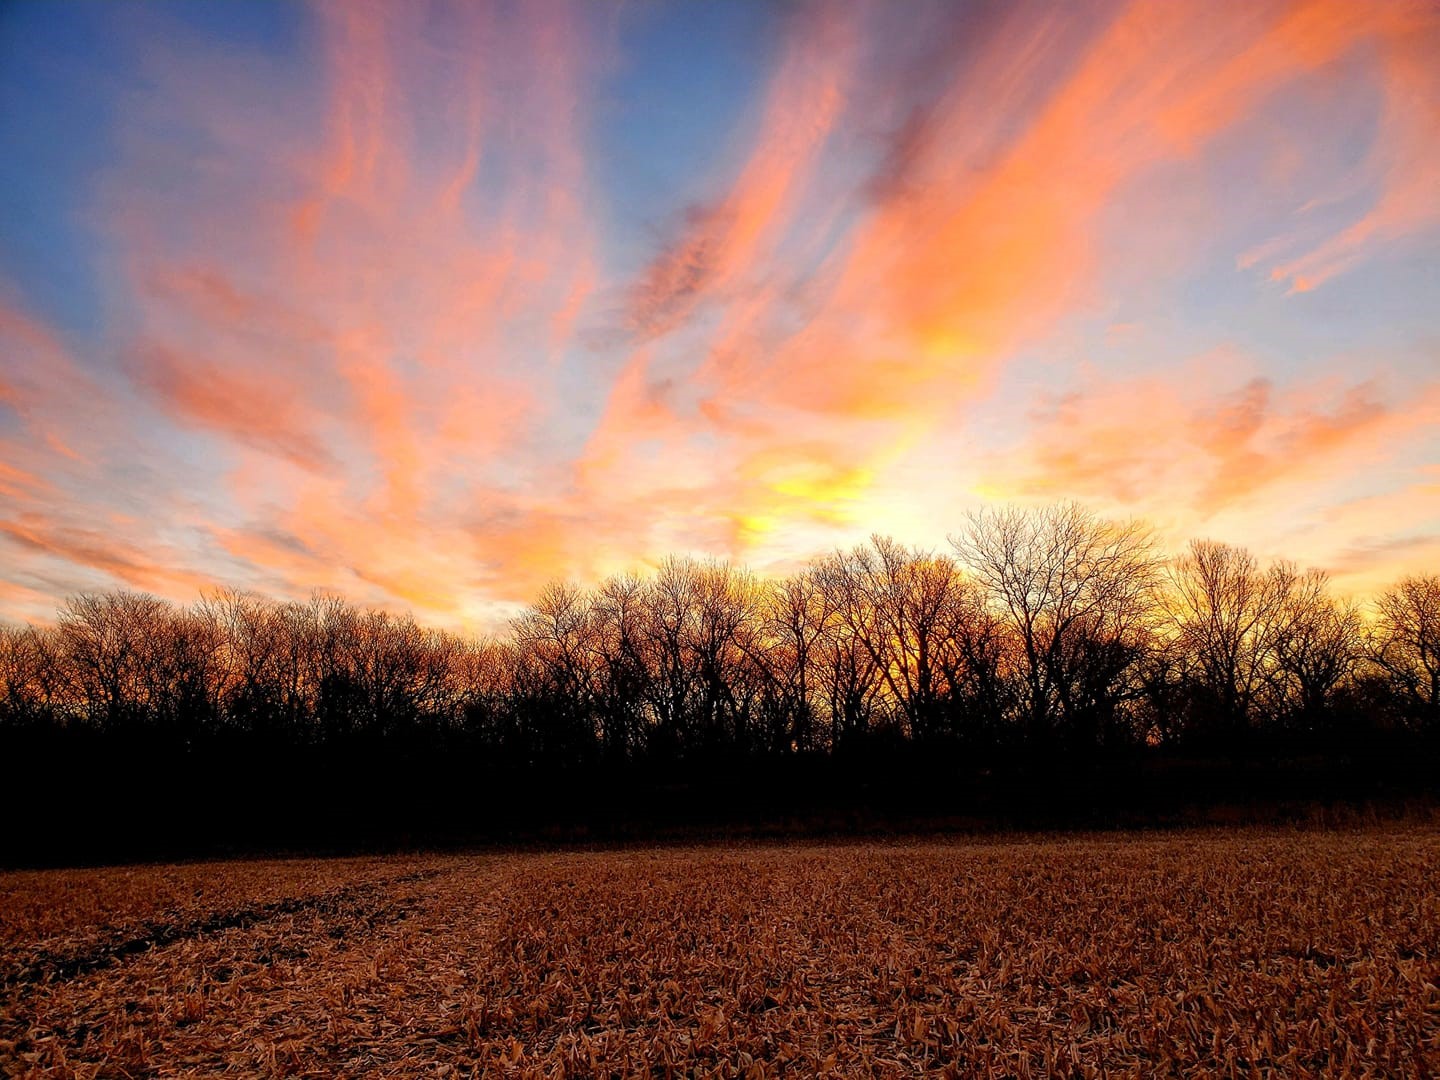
x=1185 y=443
x=374 y=293
x=372 y=336
x=234 y=402
x=1253 y=444
x=722 y=243
x=142 y=567
x=65 y=521
x=981 y=237
x=970 y=258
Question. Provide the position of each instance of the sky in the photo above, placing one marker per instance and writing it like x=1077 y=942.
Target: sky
x=429 y=304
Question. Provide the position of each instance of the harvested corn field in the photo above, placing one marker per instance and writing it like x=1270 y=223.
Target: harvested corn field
x=1204 y=953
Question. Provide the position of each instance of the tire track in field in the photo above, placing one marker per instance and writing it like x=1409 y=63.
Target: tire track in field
x=304 y=968
x=345 y=902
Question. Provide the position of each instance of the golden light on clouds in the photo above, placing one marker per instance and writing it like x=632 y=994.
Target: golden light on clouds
x=432 y=304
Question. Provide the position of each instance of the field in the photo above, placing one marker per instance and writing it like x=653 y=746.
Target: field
x=1222 y=953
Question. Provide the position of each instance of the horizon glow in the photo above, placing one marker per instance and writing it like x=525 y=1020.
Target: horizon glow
x=428 y=304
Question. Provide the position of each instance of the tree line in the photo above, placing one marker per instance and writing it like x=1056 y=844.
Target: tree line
x=1039 y=631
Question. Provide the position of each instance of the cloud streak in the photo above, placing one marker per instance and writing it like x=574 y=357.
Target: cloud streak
x=393 y=310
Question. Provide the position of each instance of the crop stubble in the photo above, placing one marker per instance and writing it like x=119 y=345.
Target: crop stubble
x=1223 y=953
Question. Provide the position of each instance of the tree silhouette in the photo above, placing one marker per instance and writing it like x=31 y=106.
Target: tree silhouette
x=1405 y=644
x=1045 y=634
x=1078 y=593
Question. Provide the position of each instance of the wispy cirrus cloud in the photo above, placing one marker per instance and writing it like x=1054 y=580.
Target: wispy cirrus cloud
x=977 y=234
x=1401 y=168
x=375 y=293
x=722 y=245
x=370 y=318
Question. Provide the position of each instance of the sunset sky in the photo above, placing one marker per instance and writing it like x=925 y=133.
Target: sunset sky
x=429 y=304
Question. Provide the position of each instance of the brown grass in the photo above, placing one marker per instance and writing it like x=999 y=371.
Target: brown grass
x=1222 y=953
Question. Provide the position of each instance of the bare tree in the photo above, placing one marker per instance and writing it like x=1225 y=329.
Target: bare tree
x=623 y=683
x=1078 y=593
x=1318 y=642
x=557 y=637
x=1227 y=615
x=1405 y=645
x=30 y=676
x=108 y=642
x=259 y=670
x=910 y=610
x=722 y=637
x=797 y=614
x=671 y=598
x=1043 y=628
x=185 y=670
